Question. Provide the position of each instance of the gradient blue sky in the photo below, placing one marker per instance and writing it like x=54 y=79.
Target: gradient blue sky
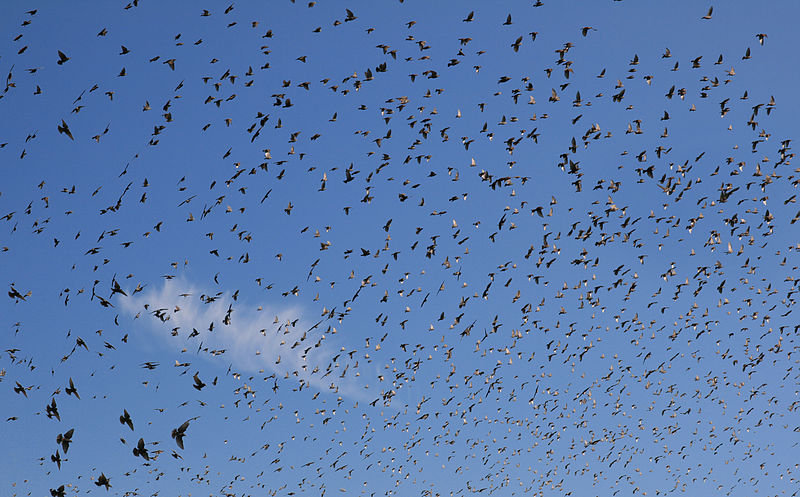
x=451 y=276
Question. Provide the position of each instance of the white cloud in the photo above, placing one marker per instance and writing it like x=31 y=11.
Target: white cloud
x=278 y=341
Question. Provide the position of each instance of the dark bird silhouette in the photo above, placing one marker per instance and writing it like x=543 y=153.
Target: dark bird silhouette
x=64 y=128
x=103 y=481
x=64 y=439
x=179 y=432
x=125 y=419
x=71 y=390
x=141 y=450
x=198 y=383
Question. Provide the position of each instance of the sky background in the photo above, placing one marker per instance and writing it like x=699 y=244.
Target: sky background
x=464 y=271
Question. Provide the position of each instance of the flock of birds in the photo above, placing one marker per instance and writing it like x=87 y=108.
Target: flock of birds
x=440 y=255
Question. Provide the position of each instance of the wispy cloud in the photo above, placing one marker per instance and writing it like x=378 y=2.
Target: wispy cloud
x=282 y=341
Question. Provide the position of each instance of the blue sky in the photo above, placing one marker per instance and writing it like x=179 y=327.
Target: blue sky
x=403 y=256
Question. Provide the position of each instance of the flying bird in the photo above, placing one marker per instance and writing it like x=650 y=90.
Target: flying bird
x=179 y=432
